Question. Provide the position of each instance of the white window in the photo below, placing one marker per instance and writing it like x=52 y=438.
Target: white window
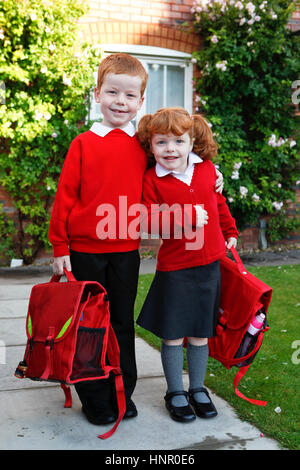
x=170 y=78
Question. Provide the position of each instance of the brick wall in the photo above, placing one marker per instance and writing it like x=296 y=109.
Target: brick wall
x=149 y=23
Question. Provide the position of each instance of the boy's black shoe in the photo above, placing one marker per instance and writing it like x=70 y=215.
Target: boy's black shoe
x=131 y=411
x=203 y=410
x=105 y=417
x=184 y=414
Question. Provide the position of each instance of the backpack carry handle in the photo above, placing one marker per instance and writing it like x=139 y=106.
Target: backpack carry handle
x=238 y=261
x=69 y=275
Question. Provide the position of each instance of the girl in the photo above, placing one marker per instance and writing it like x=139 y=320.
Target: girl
x=183 y=300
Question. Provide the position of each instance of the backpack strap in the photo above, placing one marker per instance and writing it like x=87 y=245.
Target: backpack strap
x=113 y=354
x=240 y=374
x=49 y=353
x=237 y=379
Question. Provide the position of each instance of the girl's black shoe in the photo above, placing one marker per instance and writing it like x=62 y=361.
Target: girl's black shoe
x=203 y=410
x=184 y=414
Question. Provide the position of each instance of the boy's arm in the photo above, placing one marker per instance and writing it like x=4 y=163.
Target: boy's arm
x=66 y=196
x=219 y=182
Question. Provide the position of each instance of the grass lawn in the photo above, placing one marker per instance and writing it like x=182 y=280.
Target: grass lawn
x=274 y=375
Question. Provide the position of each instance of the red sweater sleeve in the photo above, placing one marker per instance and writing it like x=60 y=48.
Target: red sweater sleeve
x=66 y=196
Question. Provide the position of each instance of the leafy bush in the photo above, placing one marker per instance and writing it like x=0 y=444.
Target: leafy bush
x=248 y=63
x=47 y=73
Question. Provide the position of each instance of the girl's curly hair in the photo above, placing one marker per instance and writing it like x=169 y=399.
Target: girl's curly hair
x=177 y=121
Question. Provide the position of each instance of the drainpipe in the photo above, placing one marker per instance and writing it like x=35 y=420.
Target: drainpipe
x=262 y=234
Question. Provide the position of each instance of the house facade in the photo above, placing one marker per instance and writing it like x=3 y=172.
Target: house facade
x=156 y=32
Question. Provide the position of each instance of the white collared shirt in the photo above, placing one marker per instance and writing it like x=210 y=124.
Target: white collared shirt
x=185 y=177
x=101 y=130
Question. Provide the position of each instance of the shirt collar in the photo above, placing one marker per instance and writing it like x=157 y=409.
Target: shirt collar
x=193 y=158
x=102 y=130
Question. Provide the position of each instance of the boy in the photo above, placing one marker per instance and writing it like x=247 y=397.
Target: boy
x=102 y=164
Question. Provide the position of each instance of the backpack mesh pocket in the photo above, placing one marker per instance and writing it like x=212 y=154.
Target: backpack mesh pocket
x=87 y=358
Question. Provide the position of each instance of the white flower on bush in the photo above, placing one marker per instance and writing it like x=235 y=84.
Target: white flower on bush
x=235 y=175
x=230 y=199
x=237 y=165
x=255 y=197
x=54 y=135
x=242 y=21
x=222 y=65
x=250 y=7
x=214 y=39
x=276 y=143
x=239 y=5
x=1 y=34
x=52 y=47
x=44 y=69
x=67 y=81
x=33 y=16
x=38 y=115
x=243 y=191
x=277 y=205
x=194 y=60
x=293 y=143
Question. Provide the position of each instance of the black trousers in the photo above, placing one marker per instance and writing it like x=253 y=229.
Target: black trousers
x=118 y=274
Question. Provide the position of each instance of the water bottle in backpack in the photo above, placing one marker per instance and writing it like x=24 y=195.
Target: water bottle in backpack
x=249 y=339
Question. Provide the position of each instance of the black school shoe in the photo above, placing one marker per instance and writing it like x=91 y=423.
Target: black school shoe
x=203 y=410
x=184 y=414
x=108 y=417
x=131 y=411
x=105 y=417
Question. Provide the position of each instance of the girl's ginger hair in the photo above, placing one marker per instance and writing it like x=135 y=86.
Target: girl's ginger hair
x=177 y=121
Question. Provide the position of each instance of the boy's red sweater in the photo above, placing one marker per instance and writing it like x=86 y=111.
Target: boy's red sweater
x=175 y=253
x=97 y=171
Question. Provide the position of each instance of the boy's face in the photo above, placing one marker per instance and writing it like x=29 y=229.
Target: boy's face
x=119 y=99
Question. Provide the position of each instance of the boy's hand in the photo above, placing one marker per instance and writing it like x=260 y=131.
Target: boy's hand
x=231 y=242
x=61 y=262
x=219 y=182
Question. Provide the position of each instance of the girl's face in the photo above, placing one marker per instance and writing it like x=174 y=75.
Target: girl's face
x=171 y=151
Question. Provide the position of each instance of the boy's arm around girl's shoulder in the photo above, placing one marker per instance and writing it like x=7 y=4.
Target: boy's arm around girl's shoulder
x=227 y=222
x=66 y=196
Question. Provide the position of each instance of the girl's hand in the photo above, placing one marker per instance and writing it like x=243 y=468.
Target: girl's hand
x=61 y=262
x=201 y=215
x=231 y=242
x=219 y=182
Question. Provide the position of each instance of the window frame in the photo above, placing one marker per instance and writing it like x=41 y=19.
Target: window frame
x=160 y=56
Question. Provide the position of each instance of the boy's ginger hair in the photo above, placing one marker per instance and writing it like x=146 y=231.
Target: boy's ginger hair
x=122 y=63
x=177 y=121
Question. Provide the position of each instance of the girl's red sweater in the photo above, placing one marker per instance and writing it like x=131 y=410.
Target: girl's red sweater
x=96 y=172
x=208 y=243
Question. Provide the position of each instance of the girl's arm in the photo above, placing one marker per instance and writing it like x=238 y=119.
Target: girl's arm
x=227 y=222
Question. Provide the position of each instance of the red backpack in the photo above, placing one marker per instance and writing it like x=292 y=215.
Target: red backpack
x=242 y=296
x=70 y=338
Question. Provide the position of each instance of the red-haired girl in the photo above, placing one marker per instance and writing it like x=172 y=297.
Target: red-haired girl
x=183 y=300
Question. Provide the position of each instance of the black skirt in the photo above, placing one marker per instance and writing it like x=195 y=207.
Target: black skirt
x=183 y=303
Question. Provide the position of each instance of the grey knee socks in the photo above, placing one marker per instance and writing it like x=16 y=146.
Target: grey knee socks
x=172 y=362
x=197 y=357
